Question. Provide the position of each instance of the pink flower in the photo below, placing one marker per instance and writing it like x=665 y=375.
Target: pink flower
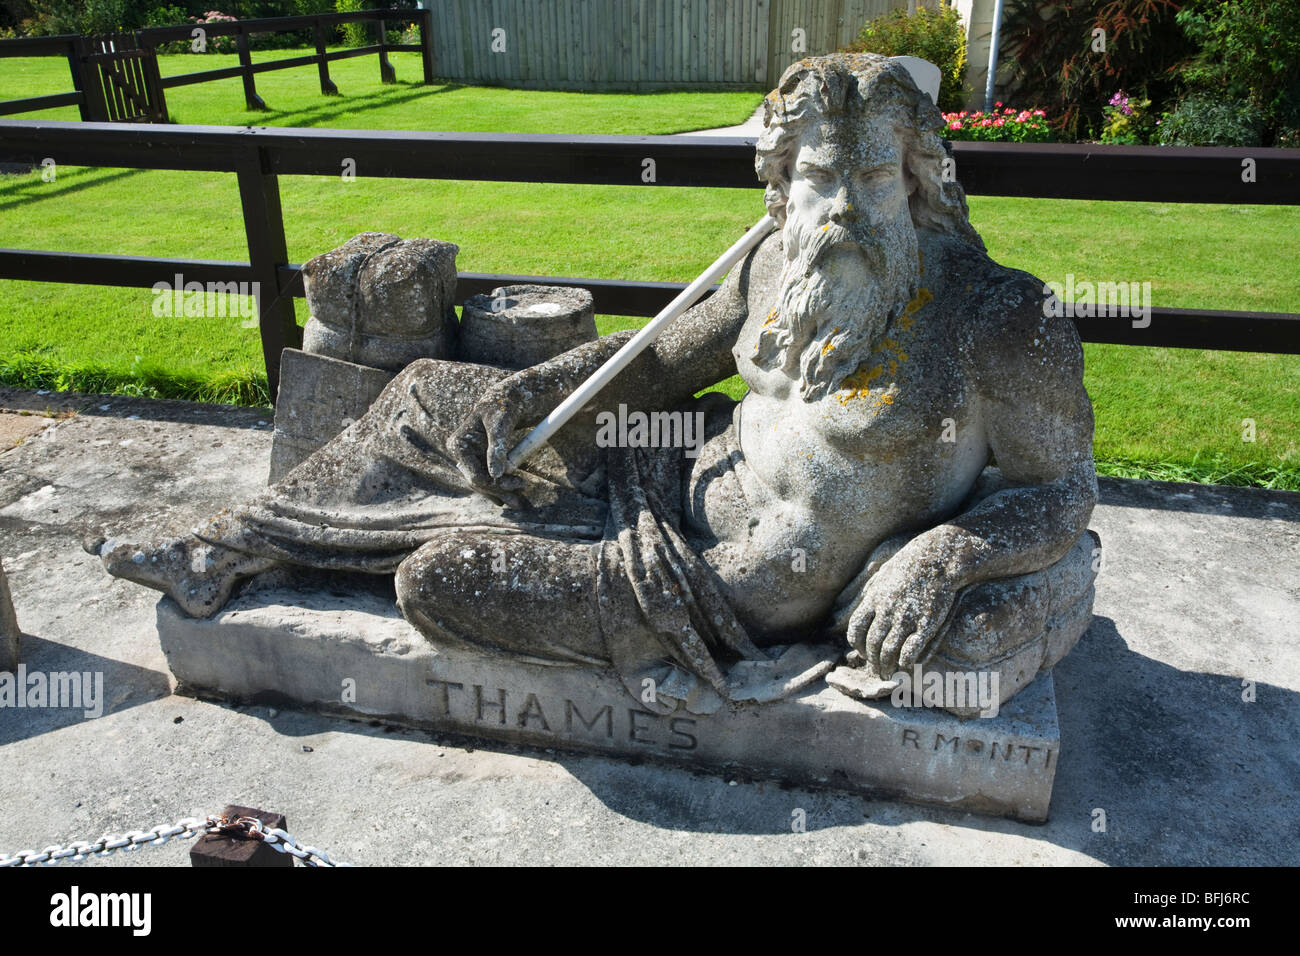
x=999 y=122
x=955 y=124
x=1039 y=113
x=999 y=103
x=985 y=122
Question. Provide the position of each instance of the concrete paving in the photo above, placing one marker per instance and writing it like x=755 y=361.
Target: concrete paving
x=1200 y=592
x=752 y=127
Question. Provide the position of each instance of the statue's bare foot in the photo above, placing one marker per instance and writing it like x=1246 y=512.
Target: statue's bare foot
x=198 y=576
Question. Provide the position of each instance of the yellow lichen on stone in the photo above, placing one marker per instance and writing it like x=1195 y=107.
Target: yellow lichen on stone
x=829 y=347
x=858 y=384
x=923 y=296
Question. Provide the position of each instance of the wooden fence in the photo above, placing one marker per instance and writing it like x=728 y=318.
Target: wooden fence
x=639 y=44
x=259 y=155
x=116 y=78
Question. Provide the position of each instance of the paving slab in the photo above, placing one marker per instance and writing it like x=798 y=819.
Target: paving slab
x=1178 y=711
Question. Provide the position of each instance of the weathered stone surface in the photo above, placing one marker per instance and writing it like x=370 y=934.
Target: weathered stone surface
x=349 y=651
x=382 y=301
x=10 y=636
x=1199 y=592
x=17 y=428
x=843 y=506
x=516 y=326
x=319 y=397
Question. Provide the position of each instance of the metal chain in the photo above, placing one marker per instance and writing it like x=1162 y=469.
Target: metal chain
x=185 y=829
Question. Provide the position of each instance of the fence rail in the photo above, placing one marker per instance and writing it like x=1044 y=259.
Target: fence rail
x=259 y=155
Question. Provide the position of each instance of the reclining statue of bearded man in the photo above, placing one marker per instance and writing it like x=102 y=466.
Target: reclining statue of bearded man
x=843 y=505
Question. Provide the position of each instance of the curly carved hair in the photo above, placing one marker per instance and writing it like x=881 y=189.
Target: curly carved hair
x=816 y=88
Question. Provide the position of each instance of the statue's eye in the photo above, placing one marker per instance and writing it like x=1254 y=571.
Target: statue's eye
x=816 y=175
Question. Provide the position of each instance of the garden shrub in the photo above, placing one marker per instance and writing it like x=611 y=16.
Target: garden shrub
x=934 y=35
x=1247 y=50
x=1048 y=47
x=1207 y=120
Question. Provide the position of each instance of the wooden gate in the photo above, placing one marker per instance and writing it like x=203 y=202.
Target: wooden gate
x=121 y=80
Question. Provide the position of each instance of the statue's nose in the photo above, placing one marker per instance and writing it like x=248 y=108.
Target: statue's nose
x=844 y=214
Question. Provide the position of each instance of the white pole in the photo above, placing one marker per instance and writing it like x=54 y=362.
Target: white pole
x=993 y=57
x=636 y=345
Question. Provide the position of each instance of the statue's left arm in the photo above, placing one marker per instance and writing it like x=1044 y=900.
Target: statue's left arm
x=1027 y=371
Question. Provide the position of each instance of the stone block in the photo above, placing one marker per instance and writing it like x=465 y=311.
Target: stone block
x=348 y=651
x=382 y=301
x=10 y=636
x=319 y=397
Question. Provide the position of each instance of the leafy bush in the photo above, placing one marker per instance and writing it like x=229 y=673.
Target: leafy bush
x=934 y=35
x=1049 y=48
x=165 y=16
x=1207 y=120
x=1248 y=50
x=1002 y=125
x=354 y=34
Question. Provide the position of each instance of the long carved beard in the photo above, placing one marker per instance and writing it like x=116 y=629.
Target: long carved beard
x=841 y=290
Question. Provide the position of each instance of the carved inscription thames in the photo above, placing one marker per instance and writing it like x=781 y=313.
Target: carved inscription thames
x=487 y=707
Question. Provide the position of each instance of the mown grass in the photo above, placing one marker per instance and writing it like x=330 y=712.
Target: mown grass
x=1169 y=413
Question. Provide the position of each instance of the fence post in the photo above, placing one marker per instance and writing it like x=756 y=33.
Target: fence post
x=259 y=195
x=251 y=100
x=386 y=72
x=426 y=44
x=215 y=849
x=327 y=86
x=78 y=84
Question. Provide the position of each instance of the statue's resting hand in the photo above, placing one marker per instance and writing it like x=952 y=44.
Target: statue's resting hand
x=898 y=613
x=480 y=444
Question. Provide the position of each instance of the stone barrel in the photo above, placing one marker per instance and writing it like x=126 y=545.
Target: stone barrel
x=516 y=326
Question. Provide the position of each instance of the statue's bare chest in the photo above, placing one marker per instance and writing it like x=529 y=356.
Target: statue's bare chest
x=902 y=416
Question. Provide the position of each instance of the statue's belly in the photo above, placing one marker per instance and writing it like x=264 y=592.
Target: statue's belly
x=787 y=519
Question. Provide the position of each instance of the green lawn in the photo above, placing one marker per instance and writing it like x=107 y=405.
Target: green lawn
x=1160 y=412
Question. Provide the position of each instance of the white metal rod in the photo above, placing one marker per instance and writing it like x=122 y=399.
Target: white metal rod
x=581 y=395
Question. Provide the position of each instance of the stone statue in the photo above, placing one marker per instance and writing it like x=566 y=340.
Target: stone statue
x=908 y=480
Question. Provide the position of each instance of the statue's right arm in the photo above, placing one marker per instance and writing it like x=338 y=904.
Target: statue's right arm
x=693 y=353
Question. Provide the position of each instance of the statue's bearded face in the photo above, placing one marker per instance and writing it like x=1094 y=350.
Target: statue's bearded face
x=850 y=253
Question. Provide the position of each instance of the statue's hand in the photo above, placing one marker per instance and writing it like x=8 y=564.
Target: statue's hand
x=902 y=609
x=480 y=444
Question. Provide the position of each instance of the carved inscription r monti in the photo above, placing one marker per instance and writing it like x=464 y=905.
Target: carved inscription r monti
x=975 y=748
x=495 y=707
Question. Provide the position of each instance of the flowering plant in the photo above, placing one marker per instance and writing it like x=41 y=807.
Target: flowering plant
x=224 y=44
x=1127 y=120
x=999 y=125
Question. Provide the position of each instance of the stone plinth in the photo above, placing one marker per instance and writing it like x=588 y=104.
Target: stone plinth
x=349 y=651
x=319 y=397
